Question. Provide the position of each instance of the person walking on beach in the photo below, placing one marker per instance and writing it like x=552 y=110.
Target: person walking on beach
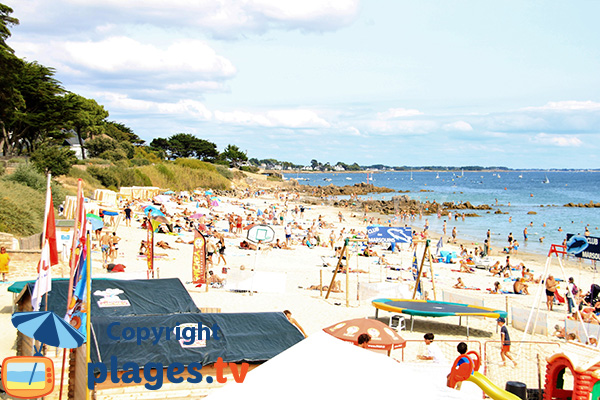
x=505 y=338
x=454 y=234
x=571 y=293
x=550 y=289
x=4 y=261
x=127 y=211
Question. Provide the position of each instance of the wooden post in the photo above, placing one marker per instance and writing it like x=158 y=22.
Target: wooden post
x=430 y=258
x=347 y=278
x=337 y=267
x=321 y=283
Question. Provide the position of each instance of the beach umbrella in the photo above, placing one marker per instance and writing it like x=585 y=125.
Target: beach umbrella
x=96 y=221
x=382 y=336
x=110 y=213
x=208 y=192
x=149 y=208
x=161 y=219
x=48 y=328
x=154 y=212
x=169 y=192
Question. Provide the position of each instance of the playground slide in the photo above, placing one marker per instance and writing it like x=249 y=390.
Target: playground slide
x=490 y=388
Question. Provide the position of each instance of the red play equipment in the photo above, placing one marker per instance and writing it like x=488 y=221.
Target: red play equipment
x=586 y=378
x=466 y=368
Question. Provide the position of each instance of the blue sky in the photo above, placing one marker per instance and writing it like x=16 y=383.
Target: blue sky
x=395 y=82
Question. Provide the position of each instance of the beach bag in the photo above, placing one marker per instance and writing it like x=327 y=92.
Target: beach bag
x=575 y=289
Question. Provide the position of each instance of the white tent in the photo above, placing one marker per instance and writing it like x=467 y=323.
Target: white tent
x=324 y=367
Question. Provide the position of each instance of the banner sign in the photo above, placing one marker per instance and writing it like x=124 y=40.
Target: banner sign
x=199 y=259
x=150 y=246
x=384 y=234
x=587 y=247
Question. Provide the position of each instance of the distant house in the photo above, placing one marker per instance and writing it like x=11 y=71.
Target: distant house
x=339 y=168
x=73 y=143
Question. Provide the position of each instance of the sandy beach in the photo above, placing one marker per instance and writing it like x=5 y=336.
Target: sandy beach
x=302 y=267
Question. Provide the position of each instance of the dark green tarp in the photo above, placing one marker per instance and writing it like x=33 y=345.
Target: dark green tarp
x=144 y=296
x=244 y=337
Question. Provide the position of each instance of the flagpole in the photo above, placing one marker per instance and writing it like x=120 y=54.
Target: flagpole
x=49 y=208
x=74 y=243
x=88 y=318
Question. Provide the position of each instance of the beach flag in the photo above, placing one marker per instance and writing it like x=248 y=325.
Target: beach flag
x=77 y=312
x=150 y=247
x=199 y=259
x=43 y=284
x=415 y=272
x=439 y=246
x=49 y=257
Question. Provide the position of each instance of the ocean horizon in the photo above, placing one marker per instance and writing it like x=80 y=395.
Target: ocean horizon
x=514 y=192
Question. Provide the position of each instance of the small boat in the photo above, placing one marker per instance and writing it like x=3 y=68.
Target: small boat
x=411 y=175
x=327 y=179
x=546 y=180
x=348 y=178
x=521 y=176
x=437 y=176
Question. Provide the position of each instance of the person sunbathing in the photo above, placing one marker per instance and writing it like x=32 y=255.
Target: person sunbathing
x=165 y=245
x=497 y=289
x=520 y=287
x=215 y=280
x=459 y=284
x=464 y=267
x=245 y=245
x=335 y=288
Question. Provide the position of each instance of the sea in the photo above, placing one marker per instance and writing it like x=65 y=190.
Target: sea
x=517 y=193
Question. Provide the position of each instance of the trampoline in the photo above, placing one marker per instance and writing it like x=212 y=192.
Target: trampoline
x=431 y=308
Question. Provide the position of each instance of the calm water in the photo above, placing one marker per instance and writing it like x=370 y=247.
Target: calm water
x=525 y=191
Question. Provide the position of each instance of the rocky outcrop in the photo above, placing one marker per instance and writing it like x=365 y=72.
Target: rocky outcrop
x=332 y=190
x=591 y=204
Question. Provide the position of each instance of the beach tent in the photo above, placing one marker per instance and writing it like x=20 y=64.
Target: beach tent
x=106 y=197
x=243 y=337
x=324 y=367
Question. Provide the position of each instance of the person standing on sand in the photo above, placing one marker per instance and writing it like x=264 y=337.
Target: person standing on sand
x=444 y=228
x=551 y=285
x=505 y=338
x=4 y=261
x=127 y=212
x=454 y=234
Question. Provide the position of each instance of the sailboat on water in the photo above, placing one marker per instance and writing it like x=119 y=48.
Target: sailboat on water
x=546 y=180
x=437 y=176
x=411 y=175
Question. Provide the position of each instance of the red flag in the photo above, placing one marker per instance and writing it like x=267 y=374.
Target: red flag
x=51 y=231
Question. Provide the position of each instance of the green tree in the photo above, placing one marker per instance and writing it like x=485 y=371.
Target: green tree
x=182 y=145
x=57 y=160
x=84 y=116
x=5 y=22
x=99 y=145
x=234 y=155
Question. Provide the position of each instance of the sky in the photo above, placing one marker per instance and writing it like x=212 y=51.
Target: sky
x=395 y=82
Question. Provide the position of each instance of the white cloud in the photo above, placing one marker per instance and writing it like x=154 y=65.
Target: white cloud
x=398 y=113
x=224 y=18
x=569 y=105
x=403 y=126
x=558 y=140
x=274 y=118
x=122 y=103
x=458 y=126
x=122 y=54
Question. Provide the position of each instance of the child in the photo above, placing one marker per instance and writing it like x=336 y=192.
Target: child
x=504 y=353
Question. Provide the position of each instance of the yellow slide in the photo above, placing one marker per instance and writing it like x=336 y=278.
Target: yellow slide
x=490 y=388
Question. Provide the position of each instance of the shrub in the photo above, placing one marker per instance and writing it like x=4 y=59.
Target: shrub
x=165 y=171
x=113 y=155
x=224 y=171
x=143 y=178
x=26 y=175
x=250 y=169
x=21 y=218
x=194 y=164
x=106 y=176
x=138 y=162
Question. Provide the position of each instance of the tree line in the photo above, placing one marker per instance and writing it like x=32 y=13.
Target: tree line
x=37 y=114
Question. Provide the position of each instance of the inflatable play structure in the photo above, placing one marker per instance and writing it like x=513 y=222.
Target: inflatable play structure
x=586 y=378
x=466 y=368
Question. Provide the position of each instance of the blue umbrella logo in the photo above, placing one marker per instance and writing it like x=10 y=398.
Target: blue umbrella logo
x=48 y=328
